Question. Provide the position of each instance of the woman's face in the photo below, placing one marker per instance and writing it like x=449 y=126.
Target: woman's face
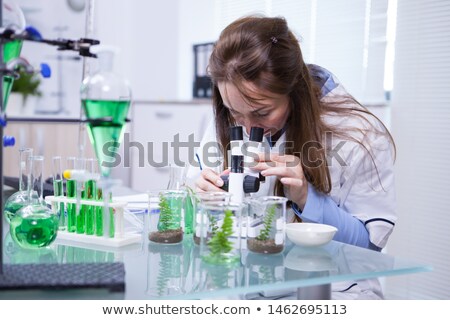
x=270 y=111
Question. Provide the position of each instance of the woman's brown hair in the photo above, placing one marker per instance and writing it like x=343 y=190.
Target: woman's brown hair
x=265 y=52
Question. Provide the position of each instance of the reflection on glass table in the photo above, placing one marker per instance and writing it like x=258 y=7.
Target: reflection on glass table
x=162 y=271
x=310 y=269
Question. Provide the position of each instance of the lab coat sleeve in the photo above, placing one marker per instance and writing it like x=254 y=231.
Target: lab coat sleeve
x=320 y=208
x=365 y=213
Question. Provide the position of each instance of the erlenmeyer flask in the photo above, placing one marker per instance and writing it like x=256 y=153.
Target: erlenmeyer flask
x=177 y=181
x=19 y=199
x=106 y=98
x=35 y=225
x=13 y=18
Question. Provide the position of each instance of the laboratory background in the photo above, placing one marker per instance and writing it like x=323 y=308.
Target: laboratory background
x=392 y=55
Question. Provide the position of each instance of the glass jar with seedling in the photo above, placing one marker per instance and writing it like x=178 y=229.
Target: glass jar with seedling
x=220 y=233
x=266 y=222
x=166 y=227
x=203 y=198
x=177 y=181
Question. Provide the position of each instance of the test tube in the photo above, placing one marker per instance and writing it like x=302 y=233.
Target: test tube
x=58 y=191
x=90 y=192
x=80 y=209
x=71 y=190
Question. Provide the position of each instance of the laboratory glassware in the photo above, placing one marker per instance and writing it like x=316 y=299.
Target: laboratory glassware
x=58 y=191
x=20 y=199
x=35 y=225
x=266 y=222
x=13 y=18
x=167 y=226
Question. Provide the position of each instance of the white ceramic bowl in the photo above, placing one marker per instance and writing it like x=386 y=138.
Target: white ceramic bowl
x=310 y=234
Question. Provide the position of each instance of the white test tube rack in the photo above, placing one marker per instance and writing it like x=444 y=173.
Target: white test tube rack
x=120 y=239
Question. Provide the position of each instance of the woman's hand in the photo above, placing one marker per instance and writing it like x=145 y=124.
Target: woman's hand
x=289 y=170
x=209 y=180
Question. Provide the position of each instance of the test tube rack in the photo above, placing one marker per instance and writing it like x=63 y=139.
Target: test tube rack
x=120 y=239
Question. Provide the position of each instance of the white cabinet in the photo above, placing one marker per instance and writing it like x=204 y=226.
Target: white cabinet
x=160 y=136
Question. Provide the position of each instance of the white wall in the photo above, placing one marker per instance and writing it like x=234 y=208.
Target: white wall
x=147 y=33
x=420 y=123
x=196 y=25
x=60 y=93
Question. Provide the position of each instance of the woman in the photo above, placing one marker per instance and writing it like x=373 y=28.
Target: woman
x=329 y=156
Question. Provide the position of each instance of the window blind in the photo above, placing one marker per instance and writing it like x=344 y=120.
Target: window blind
x=420 y=122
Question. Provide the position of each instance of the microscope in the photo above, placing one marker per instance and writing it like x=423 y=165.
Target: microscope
x=243 y=179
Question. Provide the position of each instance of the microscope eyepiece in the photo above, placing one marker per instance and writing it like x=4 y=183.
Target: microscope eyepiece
x=256 y=134
x=236 y=133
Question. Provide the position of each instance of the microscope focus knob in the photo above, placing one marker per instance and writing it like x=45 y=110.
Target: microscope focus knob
x=251 y=184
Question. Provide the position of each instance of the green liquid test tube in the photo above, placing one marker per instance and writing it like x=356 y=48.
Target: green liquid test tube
x=71 y=193
x=90 y=188
x=99 y=214
x=81 y=217
x=71 y=207
x=90 y=192
x=58 y=191
x=99 y=217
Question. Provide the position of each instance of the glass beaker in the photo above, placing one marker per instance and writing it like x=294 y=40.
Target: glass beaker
x=167 y=226
x=266 y=222
x=204 y=198
x=220 y=233
x=35 y=225
x=177 y=178
x=19 y=199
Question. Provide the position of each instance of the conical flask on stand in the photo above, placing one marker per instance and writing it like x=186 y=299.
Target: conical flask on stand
x=106 y=98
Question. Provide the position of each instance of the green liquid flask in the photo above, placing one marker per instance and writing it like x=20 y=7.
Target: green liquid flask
x=35 y=225
x=12 y=16
x=105 y=98
x=20 y=199
x=11 y=50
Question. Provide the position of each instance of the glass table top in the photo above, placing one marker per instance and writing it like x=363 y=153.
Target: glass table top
x=161 y=271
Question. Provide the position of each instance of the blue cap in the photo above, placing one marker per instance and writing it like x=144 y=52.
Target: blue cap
x=33 y=33
x=45 y=70
x=3 y=120
x=9 y=141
